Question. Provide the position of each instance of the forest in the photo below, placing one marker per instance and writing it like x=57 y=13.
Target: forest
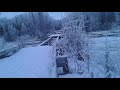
x=89 y=40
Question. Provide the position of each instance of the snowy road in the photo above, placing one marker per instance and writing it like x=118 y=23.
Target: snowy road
x=31 y=62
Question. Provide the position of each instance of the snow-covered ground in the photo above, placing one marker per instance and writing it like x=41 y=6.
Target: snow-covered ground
x=97 y=66
x=33 y=62
x=97 y=47
x=30 y=62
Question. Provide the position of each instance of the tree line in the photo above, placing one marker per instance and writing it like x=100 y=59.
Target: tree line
x=34 y=24
x=40 y=24
x=96 y=21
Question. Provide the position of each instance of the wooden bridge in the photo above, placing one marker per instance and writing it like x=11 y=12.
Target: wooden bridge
x=10 y=51
x=60 y=59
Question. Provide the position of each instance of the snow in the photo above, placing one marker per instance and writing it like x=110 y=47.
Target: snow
x=30 y=62
x=97 y=59
x=97 y=48
x=34 y=62
x=55 y=35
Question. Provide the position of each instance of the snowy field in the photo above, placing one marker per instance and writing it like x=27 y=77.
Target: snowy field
x=31 y=62
x=97 y=47
x=97 y=57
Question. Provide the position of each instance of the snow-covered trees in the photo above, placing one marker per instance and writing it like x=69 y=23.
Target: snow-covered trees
x=74 y=35
x=75 y=40
x=10 y=33
x=2 y=43
x=1 y=31
x=106 y=20
x=34 y=24
x=117 y=14
x=57 y=24
x=97 y=20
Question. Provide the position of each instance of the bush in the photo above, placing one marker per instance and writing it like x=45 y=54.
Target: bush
x=23 y=40
x=2 y=43
x=10 y=33
x=75 y=41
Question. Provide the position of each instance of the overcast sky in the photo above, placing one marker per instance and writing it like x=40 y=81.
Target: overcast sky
x=55 y=15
